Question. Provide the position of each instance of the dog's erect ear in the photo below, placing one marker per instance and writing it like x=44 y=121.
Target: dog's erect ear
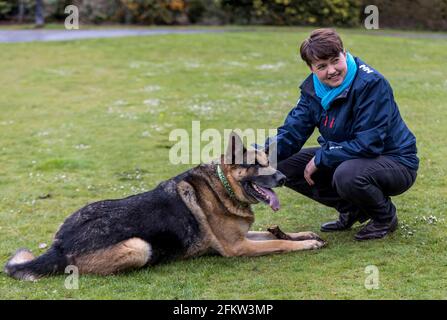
x=235 y=150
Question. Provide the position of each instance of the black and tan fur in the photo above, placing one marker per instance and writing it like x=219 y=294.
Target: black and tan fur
x=189 y=215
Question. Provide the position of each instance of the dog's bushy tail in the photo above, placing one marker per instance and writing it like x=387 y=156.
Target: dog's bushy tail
x=24 y=266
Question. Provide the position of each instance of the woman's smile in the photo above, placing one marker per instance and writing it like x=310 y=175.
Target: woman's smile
x=335 y=80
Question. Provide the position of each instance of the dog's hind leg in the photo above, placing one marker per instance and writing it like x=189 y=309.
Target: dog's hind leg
x=129 y=254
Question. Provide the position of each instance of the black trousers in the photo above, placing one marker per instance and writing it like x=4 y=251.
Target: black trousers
x=361 y=186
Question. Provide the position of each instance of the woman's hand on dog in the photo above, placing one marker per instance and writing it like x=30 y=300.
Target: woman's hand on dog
x=311 y=168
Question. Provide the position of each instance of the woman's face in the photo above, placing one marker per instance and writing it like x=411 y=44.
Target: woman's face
x=332 y=71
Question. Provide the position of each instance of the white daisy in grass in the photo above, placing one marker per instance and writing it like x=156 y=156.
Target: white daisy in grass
x=152 y=102
x=151 y=88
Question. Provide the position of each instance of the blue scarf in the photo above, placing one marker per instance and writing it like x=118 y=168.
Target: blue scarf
x=328 y=94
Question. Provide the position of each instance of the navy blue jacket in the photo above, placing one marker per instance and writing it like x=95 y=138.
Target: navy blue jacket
x=362 y=122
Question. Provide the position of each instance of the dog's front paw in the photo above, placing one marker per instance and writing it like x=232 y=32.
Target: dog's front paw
x=308 y=235
x=314 y=236
x=313 y=244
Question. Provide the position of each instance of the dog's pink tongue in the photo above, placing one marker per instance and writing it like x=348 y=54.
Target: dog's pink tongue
x=274 y=202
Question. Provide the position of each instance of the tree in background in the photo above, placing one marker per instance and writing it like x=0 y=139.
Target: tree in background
x=5 y=9
x=21 y=13
x=410 y=14
x=40 y=20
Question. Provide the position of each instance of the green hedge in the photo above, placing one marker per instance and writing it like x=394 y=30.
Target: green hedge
x=295 y=12
x=277 y=12
x=427 y=14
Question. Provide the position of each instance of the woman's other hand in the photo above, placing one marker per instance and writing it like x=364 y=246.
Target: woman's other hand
x=311 y=168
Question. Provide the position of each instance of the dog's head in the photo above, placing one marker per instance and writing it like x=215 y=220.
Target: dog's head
x=250 y=174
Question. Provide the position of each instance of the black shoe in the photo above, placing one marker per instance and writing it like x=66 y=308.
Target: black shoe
x=344 y=222
x=377 y=229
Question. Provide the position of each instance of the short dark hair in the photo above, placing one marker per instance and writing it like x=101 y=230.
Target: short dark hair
x=322 y=44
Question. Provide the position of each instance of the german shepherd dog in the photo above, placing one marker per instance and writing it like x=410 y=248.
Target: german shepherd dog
x=201 y=211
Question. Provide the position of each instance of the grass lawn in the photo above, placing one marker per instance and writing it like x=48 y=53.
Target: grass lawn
x=88 y=120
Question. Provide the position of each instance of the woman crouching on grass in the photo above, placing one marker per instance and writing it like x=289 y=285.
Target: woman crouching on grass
x=366 y=153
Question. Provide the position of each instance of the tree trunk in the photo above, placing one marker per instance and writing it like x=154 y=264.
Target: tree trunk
x=21 y=11
x=40 y=20
x=128 y=16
